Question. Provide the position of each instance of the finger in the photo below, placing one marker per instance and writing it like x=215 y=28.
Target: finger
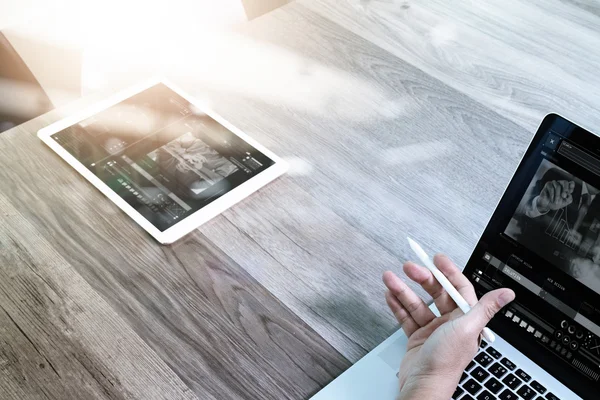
x=569 y=199
x=545 y=193
x=426 y=331
x=456 y=278
x=408 y=299
x=564 y=189
x=551 y=192
x=409 y=326
x=555 y=191
x=425 y=278
x=473 y=322
x=571 y=186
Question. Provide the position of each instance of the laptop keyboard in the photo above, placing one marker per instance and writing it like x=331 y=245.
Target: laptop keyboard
x=491 y=376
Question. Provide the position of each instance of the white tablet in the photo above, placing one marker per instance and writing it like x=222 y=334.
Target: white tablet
x=167 y=161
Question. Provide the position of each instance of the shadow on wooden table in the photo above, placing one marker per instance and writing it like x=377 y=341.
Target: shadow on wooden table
x=354 y=316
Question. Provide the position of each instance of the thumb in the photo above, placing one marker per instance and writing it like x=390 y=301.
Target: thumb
x=485 y=309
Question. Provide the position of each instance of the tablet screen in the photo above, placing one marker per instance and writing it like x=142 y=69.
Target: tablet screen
x=162 y=155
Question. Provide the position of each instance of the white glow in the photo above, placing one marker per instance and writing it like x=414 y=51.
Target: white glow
x=443 y=34
x=299 y=166
x=21 y=99
x=125 y=42
x=418 y=152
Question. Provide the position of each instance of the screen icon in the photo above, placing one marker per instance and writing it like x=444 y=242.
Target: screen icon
x=552 y=141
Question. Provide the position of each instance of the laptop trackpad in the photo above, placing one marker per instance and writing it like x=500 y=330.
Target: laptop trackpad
x=392 y=353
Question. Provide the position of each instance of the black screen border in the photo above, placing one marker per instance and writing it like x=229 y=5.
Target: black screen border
x=490 y=238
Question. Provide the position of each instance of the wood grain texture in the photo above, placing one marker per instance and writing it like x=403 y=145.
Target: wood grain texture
x=589 y=6
x=523 y=59
x=223 y=334
x=399 y=118
x=58 y=338
x=433 y=168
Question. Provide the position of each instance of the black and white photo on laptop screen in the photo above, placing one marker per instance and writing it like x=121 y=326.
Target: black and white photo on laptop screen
x=559 y=219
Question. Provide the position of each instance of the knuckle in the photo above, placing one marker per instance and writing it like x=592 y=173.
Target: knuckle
x=490 y=309
x=399 y=291
x=413 y=306
x=436 y=294
x=402 y=318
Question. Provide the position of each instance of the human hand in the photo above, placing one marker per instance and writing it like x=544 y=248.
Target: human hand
x=580 y=268
x=555 y=195
x=574 y=238
x=438 y=348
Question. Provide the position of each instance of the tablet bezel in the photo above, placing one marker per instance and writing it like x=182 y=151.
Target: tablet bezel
x=198 y=218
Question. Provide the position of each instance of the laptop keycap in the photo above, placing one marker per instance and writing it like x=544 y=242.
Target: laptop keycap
x=552 y=396
x=472 y=386
x=512 y=381
x=457 y=393
x=537 y=386
x=485 y=395
x=526 y=392
x=483 y=344
x=523 y=375
x=497 y=370
x=494 y=385
x=508 y=395
x=480 y=374
x=484 y=359
x=471 y=365
x=463 y=377
x=508 y=364
x=493 y=352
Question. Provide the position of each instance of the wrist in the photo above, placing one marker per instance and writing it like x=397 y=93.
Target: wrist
x=430 y=388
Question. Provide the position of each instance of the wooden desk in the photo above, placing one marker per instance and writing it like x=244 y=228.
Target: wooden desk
x=402 y=118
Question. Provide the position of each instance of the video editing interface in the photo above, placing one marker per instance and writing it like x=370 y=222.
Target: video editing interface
x=162 y=155
x=544 y=242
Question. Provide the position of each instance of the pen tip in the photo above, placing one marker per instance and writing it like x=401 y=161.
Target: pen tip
x=414 y=245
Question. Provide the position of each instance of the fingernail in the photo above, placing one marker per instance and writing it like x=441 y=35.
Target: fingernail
x=505 y=298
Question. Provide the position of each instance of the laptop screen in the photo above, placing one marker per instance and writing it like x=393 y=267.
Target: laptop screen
x=543 y=241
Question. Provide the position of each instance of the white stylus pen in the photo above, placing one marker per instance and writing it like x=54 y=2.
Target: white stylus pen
x=441 y=278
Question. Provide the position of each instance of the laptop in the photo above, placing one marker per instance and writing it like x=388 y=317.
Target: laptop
x=548 y=251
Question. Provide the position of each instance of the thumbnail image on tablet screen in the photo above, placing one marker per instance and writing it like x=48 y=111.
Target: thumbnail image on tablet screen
x=162 y=155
